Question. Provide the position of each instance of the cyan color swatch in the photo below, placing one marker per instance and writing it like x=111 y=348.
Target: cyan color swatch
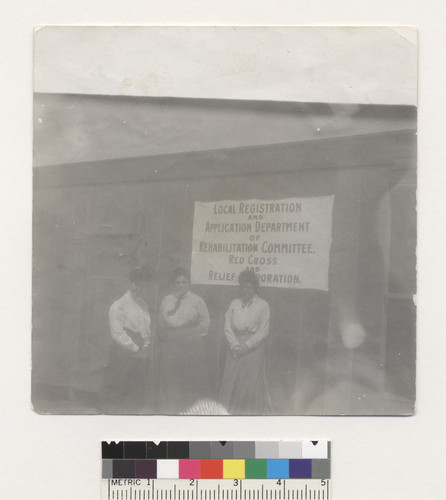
x=278 y=469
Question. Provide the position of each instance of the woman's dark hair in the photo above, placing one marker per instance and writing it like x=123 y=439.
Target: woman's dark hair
x=140 y=274
x=180 y=271
x=248 y=277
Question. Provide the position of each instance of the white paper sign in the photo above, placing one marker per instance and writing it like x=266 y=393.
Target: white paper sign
x=286 y=242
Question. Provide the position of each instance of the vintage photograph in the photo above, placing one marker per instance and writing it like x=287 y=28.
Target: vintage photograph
x=224 y=221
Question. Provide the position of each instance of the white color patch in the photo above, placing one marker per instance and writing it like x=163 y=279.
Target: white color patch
x=167 y=469
x=318 y=450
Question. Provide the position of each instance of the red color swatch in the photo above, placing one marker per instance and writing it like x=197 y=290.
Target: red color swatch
x=211 y=469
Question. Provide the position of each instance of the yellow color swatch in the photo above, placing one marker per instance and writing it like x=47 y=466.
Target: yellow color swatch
x=233 y=469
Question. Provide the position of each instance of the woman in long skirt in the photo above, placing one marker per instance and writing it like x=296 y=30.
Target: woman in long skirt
x=126 y=374
x=243 y=388
x=184 y=377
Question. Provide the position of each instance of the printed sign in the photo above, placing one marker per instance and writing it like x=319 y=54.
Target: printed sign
x=286 y=242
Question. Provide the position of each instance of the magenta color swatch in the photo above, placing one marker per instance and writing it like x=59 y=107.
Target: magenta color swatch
x=189 y=469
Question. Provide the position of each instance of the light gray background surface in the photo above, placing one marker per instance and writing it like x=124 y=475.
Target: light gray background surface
x=373 y=458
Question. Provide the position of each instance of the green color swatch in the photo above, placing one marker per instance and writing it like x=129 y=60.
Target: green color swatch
x=256 y=469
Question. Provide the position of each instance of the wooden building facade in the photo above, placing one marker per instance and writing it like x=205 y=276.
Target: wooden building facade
x=350 y=350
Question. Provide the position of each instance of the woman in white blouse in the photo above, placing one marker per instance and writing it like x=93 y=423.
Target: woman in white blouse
x=243 y=389
x=126 y=374
x=184 y=319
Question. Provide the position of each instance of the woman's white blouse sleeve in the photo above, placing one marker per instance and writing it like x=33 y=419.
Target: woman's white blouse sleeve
x=117 y=322
x=229 y=333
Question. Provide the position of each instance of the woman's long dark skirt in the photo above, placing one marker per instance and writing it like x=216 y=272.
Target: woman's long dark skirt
x=243 y=388
x=183 y=372
x=125 y=387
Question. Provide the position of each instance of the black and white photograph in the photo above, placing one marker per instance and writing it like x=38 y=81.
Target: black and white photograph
x=224 y=220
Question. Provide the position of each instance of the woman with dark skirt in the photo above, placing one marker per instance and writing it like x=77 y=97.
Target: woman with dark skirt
x=126 y=374
x=243 y=388
x=183 y=371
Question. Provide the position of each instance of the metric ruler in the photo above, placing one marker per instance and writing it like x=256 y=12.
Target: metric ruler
x=216 y=489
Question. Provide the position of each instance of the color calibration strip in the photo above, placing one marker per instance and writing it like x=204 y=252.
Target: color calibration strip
x=216 y=460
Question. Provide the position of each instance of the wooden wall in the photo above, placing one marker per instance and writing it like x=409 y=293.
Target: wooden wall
x=91 y=218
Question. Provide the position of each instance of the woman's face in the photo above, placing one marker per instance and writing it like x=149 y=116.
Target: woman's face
x=142 y=289
x=181 y=285
x=248 y=290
